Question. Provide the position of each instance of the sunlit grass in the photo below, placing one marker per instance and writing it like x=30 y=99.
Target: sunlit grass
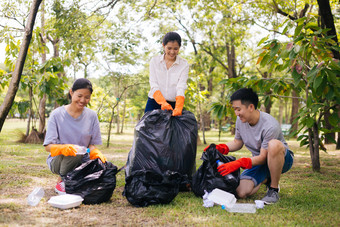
x=306 y=198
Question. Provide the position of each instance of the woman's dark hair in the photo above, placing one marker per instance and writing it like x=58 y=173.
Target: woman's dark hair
x=81 y=83
x=246 y=96
x=171 y=37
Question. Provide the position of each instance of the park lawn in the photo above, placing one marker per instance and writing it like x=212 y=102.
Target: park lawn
x=306 y=198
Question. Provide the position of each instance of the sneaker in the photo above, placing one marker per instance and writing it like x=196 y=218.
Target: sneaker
x=271 y=197
x=60 y=188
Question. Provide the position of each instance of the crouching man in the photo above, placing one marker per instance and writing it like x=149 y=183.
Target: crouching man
x=261 y=134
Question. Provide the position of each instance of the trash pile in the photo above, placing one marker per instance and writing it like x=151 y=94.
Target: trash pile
x=160 y=164
x=227 y=201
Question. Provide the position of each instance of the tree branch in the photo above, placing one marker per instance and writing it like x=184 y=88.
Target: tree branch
x=213 y=56
x=279 y=11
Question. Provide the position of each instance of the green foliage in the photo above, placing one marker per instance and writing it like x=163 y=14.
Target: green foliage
x=309 y=60
x=41 y=78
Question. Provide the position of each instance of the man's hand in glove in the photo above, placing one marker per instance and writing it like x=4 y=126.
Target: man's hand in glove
x=222 y=148
x=230 y=167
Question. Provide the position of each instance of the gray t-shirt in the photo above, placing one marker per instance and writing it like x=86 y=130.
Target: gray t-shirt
x=257 y=136
x=64 y=129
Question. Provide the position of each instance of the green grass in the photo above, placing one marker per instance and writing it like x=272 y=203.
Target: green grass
x=306 y=198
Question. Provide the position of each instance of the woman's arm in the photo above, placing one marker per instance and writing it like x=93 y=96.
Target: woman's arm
x=182 y=82
x=154 y=86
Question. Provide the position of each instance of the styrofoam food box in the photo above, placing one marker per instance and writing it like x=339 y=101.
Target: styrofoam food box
x=65 y=201
x=221 y=197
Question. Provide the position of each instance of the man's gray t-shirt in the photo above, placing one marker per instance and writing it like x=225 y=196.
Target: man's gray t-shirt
x=62 y=128
x=257 y=136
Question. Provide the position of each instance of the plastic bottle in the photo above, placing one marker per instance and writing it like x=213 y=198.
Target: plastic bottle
x=36 y=195
x=82 y=150
x=218 y=162
x=241 y=208
x=229 y=176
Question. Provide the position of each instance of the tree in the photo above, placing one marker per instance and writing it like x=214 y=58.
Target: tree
x=325 y=21
x=16 y=75
x=309 y=59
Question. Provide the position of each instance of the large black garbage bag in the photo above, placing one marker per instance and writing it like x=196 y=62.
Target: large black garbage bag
x=148 y=187
x=208 y=178
x=162 y=158
x=93 y=180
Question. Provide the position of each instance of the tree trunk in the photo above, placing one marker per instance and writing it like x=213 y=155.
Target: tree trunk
x=314 y=147
x=202 y=121
x=286 y=112
x=118 y=120
x=30 y=111
x=328 y=137
x=55 y=43
x=110 y=126
x=42 y=102
x=327 y=21
x=281 y=109
x=42 y=113
x=219 y=129
x=123 y=118
x=295 y=110
x=338 y=141
x=16 y=75
x=231 y=60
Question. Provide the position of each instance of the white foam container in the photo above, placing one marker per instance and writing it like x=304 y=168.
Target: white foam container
x=65 y=201
x=221 y=197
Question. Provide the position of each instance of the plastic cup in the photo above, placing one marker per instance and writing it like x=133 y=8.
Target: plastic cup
x=259 y=204
x=36 y=195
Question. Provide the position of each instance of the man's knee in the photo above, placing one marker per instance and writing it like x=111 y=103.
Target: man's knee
x=245 y=188
x=242 y=194
x=276 y=147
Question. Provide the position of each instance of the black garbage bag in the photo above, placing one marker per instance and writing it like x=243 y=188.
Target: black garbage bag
x=208 y=178
x=93 y=180
x=162 y=158
x=148 y=187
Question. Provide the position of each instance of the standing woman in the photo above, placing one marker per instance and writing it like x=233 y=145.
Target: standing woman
x=71 y=125
x=168 y=77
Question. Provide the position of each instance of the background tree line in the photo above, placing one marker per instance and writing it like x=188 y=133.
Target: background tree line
x=288 y=52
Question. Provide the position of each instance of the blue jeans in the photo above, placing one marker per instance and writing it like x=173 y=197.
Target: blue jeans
x=259 y=173
x=153 y=105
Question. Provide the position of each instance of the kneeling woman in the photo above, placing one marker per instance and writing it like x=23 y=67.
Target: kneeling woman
x=71 y=125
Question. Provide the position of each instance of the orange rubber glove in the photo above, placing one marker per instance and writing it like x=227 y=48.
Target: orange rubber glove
x=95 y=153
x=161 y=100
x=230 y=167
x=179 y=106
x=64 y=149
x=222 y=148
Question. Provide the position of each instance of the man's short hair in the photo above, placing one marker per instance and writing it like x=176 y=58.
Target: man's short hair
x=246 y=95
